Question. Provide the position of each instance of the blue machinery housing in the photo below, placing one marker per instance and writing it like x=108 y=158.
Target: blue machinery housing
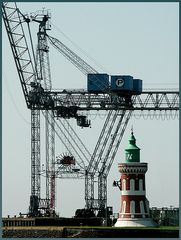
x=121 y=84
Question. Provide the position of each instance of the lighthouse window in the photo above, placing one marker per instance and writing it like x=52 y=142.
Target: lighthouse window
x=124 y=207
x=141 y=184
x=132 y=184
x=132 y=208
x=124 y=185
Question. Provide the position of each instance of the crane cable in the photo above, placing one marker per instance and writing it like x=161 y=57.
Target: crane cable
x=80 y=49
x=13 y=100
x=33 y=51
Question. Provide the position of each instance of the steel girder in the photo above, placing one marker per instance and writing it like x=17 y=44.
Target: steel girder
x=84 y=101
x=103 y=157
x=18 y=42
x=110 y=154
x=35 y=153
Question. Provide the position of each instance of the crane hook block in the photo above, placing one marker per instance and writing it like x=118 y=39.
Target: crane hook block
x=82 y=121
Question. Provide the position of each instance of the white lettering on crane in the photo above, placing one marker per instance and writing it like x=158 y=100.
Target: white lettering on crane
x=119 y=82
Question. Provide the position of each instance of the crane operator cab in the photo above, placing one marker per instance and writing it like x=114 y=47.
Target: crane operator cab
x=82 y=121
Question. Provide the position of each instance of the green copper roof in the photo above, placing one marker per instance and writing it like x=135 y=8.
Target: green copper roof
x=132 y=143
x=132 y=151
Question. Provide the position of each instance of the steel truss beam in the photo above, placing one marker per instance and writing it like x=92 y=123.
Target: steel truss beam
x=35 y=153
x=71 y=56
x=97 y=157
x=50 y=158
x=44 y=79
x=84 y=101
x=109 y=158
x=105 y=150
x=13 y=24
x=160 y=100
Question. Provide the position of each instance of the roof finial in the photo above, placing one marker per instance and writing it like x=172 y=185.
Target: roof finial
x=132 y=130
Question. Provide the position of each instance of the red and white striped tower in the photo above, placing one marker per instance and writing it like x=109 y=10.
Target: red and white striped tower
x=134 y=204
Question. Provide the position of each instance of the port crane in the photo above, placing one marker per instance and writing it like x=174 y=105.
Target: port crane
x=36 y=83
x=35 y=78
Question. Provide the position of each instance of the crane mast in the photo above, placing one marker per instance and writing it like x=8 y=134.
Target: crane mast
x=30 y=78
x=44 y=77
x=35 y=163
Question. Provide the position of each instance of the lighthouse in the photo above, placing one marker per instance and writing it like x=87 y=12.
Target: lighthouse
x=134 y=210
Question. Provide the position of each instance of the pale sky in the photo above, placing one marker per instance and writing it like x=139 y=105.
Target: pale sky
x=138 y=39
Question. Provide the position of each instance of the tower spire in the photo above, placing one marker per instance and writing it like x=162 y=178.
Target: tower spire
x=132 y=151
x=132 y=130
